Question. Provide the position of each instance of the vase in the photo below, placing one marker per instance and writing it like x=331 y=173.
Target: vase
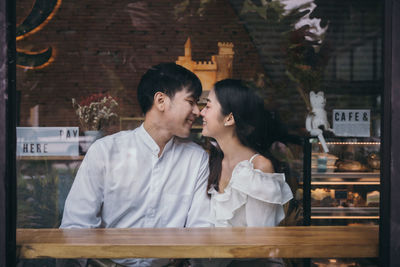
x=88 y=139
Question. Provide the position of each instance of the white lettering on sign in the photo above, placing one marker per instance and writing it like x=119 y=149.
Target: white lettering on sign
x=47 y=141
x=351 y=122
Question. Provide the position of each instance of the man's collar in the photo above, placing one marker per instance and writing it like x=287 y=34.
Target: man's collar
x=151 y=143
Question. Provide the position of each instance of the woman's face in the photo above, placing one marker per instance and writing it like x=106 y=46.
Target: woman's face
x=213 y=120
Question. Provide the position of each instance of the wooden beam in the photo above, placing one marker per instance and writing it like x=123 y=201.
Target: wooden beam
x=390 y=184
x=7 y=133
x=282 y=242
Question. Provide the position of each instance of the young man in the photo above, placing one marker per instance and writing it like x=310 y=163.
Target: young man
x=151 y=176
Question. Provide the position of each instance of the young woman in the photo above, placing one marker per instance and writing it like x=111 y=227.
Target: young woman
x=244 y=187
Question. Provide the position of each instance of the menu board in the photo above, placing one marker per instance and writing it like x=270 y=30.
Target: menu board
x=47 y=141
x=352 y=122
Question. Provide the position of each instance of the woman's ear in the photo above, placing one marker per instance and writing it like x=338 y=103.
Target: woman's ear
x=229 y=120
x=159 y=101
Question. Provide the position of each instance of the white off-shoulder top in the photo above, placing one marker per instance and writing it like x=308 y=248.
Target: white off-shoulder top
x=252 y=198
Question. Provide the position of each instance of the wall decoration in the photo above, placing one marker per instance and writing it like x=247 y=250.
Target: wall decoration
x=41 y=13
x=209 y=72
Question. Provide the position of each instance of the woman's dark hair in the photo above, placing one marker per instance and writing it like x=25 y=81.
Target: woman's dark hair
x=168 y=78
x=254 y=125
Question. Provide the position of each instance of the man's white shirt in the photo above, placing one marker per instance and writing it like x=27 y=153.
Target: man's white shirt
x=123 y=183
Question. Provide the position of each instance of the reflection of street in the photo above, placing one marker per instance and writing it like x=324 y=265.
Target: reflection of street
x=43 y=185
x=314 y=23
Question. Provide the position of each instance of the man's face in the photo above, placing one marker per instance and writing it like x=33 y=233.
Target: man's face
x=180 y=113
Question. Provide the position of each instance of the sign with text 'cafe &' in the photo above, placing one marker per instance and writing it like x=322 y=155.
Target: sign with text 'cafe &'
x=47 y=141
x=351 y=122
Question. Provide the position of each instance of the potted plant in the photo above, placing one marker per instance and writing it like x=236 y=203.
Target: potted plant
x=95 y=113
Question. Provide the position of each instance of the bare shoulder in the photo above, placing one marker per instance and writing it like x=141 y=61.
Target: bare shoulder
x=263 y=164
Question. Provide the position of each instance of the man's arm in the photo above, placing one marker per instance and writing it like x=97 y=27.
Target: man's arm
x=83 y=205
x=199 y=212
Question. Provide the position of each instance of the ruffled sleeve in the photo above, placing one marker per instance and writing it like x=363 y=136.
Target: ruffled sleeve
x=267 y=187
x=252 y=198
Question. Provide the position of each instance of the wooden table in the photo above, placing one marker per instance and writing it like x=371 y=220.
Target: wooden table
x=283 y=242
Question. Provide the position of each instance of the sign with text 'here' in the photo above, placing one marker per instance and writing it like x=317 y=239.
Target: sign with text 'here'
x=352 y=122
x=47 y=141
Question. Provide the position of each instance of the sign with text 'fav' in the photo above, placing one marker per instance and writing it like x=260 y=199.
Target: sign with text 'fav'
x=47 y=141
x=352 y=122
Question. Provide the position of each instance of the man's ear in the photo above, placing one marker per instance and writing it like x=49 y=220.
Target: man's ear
x=159 y=101
x=229 y=120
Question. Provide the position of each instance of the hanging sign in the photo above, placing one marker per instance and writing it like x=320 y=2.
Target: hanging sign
x=47 y=141
x=352 y=122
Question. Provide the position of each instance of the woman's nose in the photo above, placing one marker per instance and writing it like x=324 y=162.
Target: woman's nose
x=202 y=112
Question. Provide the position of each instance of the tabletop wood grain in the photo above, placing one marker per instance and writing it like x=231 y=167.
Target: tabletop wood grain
x=283 y=242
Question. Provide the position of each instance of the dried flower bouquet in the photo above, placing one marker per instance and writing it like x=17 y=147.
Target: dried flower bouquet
x=95 y=111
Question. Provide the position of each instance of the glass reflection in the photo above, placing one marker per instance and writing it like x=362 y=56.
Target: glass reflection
x=86 y=51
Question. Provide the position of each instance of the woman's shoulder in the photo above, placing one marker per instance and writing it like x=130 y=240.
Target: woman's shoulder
x=258 y=180
x=263 y=164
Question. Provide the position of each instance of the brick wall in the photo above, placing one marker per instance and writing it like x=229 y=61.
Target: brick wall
x=106 y=46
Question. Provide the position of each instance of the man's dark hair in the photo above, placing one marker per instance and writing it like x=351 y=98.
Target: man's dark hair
x=168 y=78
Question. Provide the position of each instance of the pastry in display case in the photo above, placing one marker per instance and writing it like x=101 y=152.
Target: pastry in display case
x=343 y=184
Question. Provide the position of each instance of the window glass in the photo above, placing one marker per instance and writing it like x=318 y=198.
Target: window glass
x=79 y=64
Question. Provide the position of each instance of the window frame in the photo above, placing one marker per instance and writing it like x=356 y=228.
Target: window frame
x=391 y=114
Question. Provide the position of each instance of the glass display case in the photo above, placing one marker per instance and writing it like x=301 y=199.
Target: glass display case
x=341 y=187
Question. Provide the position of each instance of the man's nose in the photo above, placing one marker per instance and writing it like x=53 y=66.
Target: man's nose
x=196 y=110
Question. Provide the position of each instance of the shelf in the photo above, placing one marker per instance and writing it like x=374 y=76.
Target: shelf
x=359 y=182
x=346 y=178
x=197 y=127
x=346 y=175
x=367 y=143
x=338 y=182
x=60 y=158
x=345 y=213
x=345 y=217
